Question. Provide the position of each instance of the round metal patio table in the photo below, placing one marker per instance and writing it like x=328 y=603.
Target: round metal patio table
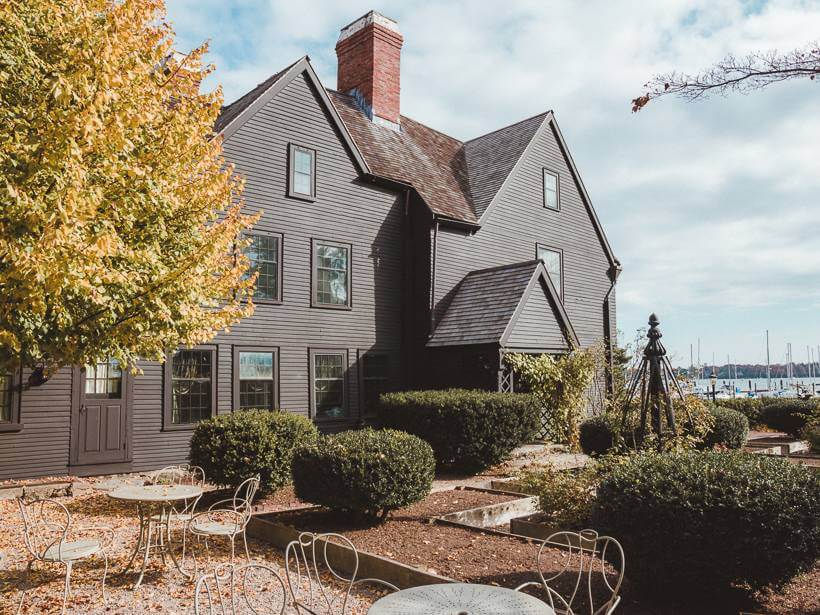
x=459 y=599
x=154 y=507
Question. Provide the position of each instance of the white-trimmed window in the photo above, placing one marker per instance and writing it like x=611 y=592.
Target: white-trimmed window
x=331 y=274
x=255 y=378
x=328 y=370
x=265 y=256
x=302 y=172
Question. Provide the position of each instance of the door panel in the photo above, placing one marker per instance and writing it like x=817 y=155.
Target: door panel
x=102 y=415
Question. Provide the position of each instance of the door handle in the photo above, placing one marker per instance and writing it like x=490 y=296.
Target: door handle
x=82 y=408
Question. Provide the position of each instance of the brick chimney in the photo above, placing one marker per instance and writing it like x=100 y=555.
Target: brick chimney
x=369 y=54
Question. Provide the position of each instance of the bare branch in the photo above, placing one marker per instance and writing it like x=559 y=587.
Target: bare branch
x=735 y=75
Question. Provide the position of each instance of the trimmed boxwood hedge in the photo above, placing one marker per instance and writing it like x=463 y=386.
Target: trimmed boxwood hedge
x=750 y=407
x=789 y=415
x=469 y=430
x=597 y=435
x=367 y=472
x=711 y=520
x=233 y=447
x=730 y=430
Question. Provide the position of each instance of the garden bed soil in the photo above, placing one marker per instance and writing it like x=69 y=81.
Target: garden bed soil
x=410 y=536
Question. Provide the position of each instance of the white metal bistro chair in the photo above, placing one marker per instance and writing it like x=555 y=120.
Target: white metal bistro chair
x=47 y=528
x=180 y=514
x=307 y=561
x=592 y=567
x=253 y=588
x=227 y=518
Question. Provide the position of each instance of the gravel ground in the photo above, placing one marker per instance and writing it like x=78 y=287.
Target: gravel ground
x=163 y=590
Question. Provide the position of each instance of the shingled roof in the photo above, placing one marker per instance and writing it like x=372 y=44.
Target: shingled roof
x=230 y=112
x=489 y=302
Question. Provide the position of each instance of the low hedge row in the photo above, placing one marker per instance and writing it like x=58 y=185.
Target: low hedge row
x=468 y=430
x=711 y=520
x=367 y=472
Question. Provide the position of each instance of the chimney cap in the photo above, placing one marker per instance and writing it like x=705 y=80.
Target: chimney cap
x=362 y=22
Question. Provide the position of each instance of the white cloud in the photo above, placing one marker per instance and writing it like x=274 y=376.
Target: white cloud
x=710 y=206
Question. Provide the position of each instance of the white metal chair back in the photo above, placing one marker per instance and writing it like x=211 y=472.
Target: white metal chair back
x=238 y=590
x=307 y=562
x=243 y=498
x=45 y=523
x=590 y=573
x=182 y=474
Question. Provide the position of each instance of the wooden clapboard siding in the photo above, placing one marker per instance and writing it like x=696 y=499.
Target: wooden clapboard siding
x=517 y=222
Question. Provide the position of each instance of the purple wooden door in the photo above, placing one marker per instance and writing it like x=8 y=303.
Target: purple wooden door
x=102 y=417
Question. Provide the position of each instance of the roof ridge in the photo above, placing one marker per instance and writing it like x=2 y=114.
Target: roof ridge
x=533 y=261
x=492 y=132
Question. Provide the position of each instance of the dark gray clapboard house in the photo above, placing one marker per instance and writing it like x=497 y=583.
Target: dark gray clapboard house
x=390 y=256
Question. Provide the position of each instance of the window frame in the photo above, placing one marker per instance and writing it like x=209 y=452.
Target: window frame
x=363 y=379
x=544 y=172
x=279 y=268
x=168 y=385
x=14 y=423
x=312 y=353
x=314 y=277
x=236 y=381
x=292 y=149
x=560 y=252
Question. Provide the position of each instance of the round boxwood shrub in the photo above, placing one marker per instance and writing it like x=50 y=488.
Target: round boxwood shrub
x=469 y=430
x=368 y=472
x=233 y=447
x=597 y=436
x=711 y=520
x=811 y=433
x=788 y=415
x=730 y=430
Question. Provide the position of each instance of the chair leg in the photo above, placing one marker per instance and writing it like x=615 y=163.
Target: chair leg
x=245 y=540
x=105 y=574
x=67 y=584
x=233 y=548
x=26 y=579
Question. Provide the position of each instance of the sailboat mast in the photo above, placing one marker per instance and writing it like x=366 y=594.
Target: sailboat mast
x=768 y=365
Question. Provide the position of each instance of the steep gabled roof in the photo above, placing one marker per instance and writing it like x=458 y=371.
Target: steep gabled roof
x=488 y=304
x=419 y=156
x=490 y=159
x=238 y=112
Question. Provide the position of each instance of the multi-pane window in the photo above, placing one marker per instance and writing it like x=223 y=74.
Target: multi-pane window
x=302 y=171
x=192 y=373
x=375 y=373
x=552 y=261
x=6 y=397
x=103 y=380
x=256 y=373
x=264 y=256
x=331 y=274
x=551 y=190
x=329 y=384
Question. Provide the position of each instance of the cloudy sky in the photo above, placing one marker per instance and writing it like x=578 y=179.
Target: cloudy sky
x=713 y=208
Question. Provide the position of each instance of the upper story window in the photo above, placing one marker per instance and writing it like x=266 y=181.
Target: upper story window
x=255 y=378
x=190 y=380
x=302 y=165
x=265 y=256
x=552 y=191
x=554 y=262
x=331 y=274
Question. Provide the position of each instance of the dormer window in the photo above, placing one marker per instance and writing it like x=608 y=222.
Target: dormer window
x=551 y=190
x=302 y=180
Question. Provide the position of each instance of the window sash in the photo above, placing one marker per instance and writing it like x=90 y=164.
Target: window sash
x=332 y=273
x=192 y=391
x=103 y=380
x=256 y=375
x=553 y=263
x=302 y=171
x=375 y=379
x=264 y=256
x=6 y=397
x=551 y=190
x=329 y=390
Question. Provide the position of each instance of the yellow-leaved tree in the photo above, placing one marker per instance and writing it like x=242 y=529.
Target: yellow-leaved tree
x=120 y=222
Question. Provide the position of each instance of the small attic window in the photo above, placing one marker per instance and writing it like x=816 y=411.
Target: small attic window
x=551 y=190
x=302 y=172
